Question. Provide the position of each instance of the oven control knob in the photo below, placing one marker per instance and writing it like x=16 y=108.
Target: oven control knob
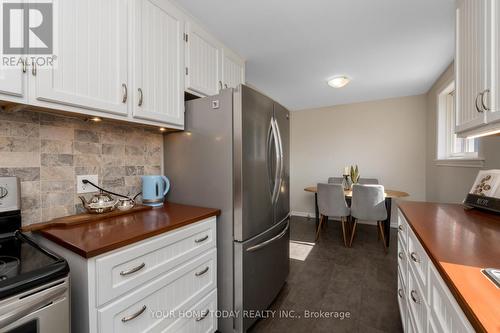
x=3 y=192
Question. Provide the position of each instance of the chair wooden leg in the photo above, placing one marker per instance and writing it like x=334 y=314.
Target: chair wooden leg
x=343 y=231
x=353 y=232
x=381 y=232
x=321 y=218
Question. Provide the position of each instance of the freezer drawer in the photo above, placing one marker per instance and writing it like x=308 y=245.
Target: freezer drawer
x=261 y=268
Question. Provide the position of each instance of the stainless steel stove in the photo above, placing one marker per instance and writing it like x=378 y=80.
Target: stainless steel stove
x=34 y=283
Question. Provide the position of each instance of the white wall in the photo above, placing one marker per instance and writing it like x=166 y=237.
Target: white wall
x=445 y=183
x=385 y=138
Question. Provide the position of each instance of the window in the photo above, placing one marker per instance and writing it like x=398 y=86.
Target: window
x=450 y=147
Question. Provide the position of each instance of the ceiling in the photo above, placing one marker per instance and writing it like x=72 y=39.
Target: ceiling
x=389 y=48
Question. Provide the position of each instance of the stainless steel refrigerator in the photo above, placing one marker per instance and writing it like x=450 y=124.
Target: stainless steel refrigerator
x=234 y=155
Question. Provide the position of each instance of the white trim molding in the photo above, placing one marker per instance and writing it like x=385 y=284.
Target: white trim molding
x=461 y=162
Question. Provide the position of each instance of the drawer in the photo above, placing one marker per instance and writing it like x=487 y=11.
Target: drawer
x=128 y=268
x=200 y=319
x=416 y=303
x=403 y=262
x=157 y=305
x=418 y=261
x=446 y=313
x=402 y=302
x=402 y=228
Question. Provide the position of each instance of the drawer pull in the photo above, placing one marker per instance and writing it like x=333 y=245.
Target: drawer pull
x=414 y=297
x=400 y=255
x=204 y=315
x=201 y=272
x=199 y=240
x=414 y=257
x=132 y=270
x=135 y=315
x=400 y=292
x=401 y=228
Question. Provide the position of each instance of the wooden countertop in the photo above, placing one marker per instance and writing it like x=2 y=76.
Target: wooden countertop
x=461 y=243
x=94 y=238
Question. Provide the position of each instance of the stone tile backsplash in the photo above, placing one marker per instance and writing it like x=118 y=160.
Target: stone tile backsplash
x=48 y=151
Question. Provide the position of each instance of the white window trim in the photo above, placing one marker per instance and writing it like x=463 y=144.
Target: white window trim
x=461 y=162
x=467 y=160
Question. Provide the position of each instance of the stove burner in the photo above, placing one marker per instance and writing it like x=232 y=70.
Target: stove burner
x=7 y=264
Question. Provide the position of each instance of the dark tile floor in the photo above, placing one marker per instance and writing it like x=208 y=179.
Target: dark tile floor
x=361 y=280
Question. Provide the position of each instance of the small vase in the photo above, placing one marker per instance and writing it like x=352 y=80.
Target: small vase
x=347 y=183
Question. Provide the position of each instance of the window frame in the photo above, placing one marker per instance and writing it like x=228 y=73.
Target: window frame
x=446 y=137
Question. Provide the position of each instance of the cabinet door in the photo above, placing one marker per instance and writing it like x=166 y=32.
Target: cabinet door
x=203 y=58
x=158 y=62
x=494 y=103
x=90 y=71
x=13 y=77
x=233 y=69
x=471 y=62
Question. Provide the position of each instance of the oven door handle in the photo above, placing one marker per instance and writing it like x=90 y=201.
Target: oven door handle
x=32 y=305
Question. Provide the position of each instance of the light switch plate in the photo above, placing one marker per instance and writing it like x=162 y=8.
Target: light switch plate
x=86 y=188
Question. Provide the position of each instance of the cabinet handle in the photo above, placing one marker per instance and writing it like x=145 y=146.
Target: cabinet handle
x=400 y=228
x=400 y=292
x=23 y=62
x=125 y=93
x=478 y=108
x=414 y=297
x=33 y=67
x=483 y=102
x=204 y=315
x=400 y=255
x=220 y=85
x=414 y=257
x=202 y=272
x=199 y=240
x=133 y=270
x=140 y=97
x=135 y=315
x=225 y=85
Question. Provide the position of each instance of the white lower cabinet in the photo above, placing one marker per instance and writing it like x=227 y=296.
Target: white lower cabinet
x=425 y=302
x=166 y=283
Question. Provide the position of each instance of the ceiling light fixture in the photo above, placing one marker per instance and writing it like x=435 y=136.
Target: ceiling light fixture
x=339 y=81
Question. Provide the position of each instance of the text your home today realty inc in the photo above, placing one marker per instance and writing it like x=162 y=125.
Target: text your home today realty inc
x=284 y=314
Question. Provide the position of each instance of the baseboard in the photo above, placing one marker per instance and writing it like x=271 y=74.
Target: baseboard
x=394 y=224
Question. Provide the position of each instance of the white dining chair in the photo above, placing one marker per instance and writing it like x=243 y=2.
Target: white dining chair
x=368 y=204
x=335 y=180
x=331 y=203
x=368 y=181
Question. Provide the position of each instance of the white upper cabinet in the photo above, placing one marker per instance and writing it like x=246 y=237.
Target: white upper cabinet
x=13 y=83
x=233 y=69
x=129 y=60
x=90 y=71
x=471 y=62
x=203 y=61
x=158 y=64
x=477 y=67
x=493 y=115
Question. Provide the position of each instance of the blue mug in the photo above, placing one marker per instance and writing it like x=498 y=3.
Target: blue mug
x=154 y=190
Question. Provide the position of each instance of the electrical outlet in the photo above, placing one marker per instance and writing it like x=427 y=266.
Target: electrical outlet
x=86 y=188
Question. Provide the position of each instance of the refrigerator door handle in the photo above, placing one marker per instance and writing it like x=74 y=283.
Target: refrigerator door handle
x=277 y=150
x=269 y=241
x=281 y=164
x=275 y=192
x=269 y=158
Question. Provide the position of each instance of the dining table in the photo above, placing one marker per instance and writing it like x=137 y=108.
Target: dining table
x=388 y=195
